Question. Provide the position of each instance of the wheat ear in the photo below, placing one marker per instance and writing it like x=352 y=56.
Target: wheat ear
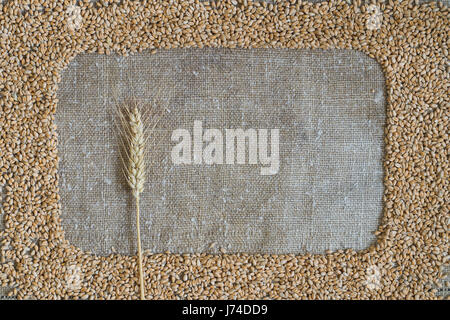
x=134 y=138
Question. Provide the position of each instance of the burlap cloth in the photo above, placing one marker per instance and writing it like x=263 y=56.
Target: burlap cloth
x=329 y=108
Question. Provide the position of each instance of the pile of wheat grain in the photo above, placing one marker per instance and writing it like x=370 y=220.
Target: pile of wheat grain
x=39 y=38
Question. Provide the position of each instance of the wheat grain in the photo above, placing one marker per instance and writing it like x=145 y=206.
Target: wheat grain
x=412 y=240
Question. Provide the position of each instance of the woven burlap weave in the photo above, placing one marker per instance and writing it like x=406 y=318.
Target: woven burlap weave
x=329 y=107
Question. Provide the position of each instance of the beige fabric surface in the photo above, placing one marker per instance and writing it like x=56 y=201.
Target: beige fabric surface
x=328 y=105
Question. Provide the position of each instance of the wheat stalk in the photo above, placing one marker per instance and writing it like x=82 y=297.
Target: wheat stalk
x=134 y=140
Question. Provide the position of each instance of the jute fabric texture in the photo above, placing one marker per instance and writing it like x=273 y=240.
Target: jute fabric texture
x=328 y=105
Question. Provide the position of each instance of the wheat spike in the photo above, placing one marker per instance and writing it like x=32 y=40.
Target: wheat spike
x=135 y=129
x=136 y=159
x=134 y=141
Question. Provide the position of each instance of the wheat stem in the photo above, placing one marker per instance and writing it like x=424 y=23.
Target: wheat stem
x=141 y=272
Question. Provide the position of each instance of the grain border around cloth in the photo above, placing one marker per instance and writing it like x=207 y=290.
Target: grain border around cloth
x=412 y=240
